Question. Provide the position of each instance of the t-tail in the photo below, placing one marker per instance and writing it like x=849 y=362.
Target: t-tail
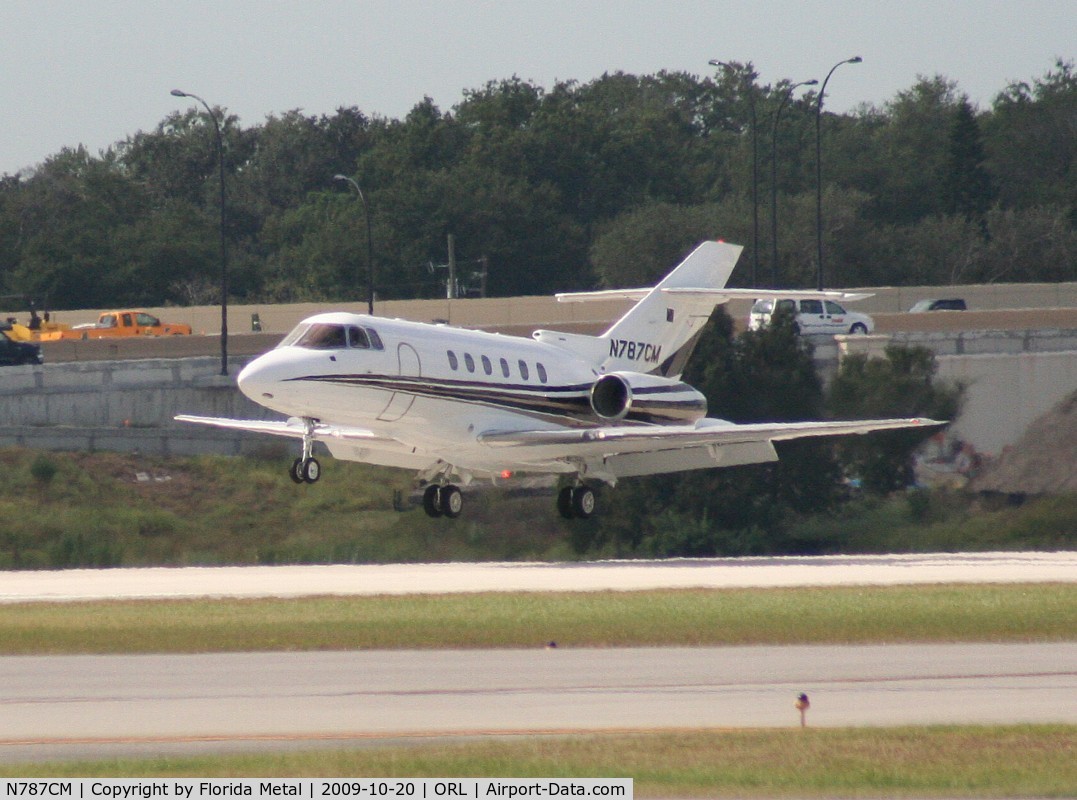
x=659 y=333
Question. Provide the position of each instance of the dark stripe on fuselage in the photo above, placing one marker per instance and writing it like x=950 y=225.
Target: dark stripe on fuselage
x=571 y=402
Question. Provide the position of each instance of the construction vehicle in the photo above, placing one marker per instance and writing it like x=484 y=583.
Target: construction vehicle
x=113 y=324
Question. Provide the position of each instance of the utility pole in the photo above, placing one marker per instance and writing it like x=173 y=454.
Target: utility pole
x=450 y=292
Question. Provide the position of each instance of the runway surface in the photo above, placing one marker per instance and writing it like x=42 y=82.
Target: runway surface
x=62 y=707
x=93 y=705
x=373 y=579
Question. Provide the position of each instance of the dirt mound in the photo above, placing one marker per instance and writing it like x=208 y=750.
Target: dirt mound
x=1042 y=461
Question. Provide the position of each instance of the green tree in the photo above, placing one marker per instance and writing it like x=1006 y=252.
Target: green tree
x=967 y=189
x=1029 y=138
x=900 y=385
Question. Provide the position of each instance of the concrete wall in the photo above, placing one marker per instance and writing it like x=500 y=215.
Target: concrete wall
x=526 y=313
x=125 y=406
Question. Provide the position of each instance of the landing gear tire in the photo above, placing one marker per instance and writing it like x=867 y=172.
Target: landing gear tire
x=576 y=502
x=311 y=470
x=583 y=501
x=451 y=501
x=443 y=501
x=430 y=501
x=305 y=470
x=564 y=503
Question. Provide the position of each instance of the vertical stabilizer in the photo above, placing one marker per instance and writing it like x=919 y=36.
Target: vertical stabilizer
x=659 y=333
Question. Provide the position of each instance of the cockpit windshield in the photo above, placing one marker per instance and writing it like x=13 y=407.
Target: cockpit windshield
x=332 y=336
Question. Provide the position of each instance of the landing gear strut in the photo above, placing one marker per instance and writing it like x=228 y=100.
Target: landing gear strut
x=576 y=502
x=443 y=500
x=306 y=468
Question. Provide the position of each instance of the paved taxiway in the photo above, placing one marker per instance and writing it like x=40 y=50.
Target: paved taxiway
x=371 y=579
x=91 y=706
x=99 y=704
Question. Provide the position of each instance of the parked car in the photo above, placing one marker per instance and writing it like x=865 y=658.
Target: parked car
x=812 y=316
x=949 y=304
x=14 y=353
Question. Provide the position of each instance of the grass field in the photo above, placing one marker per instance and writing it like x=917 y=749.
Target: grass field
x=1003 y=761
x=990 y=613
x=63 y=510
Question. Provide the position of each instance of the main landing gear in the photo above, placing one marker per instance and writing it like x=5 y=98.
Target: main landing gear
x=576 y=502
x=444 y=500
x=306 y=468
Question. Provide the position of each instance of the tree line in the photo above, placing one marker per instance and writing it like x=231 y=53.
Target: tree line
x=602 y=183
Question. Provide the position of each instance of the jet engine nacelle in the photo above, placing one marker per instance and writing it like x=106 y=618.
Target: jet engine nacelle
x=636 y=397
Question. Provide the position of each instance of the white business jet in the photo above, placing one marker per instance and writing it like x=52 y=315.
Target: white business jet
x=461 y=405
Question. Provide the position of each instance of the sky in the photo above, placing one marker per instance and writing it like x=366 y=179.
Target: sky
x=93 y=72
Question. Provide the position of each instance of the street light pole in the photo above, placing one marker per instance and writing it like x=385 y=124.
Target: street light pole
x=369 y=244
x=774 y=181
x=819 y=168
x=755 y=163
x=224 y=252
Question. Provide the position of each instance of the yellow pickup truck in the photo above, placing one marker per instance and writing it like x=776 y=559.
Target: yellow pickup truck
x=116 y=324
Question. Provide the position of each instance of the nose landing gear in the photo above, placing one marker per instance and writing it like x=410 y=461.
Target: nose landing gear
x=306 y=468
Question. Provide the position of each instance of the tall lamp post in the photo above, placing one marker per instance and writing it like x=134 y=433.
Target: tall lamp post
x=755 y=163
x=369 y=244
x=224 y=252
x=774 y=181
x=819 y=167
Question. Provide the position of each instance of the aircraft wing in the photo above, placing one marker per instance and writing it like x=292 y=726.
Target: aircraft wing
x=612 y=440
x=292 y=428
x=617 y=452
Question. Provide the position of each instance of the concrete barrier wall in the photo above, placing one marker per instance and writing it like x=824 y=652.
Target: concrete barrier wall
x=120 y=394
x=545 y=311
x=1006 y=393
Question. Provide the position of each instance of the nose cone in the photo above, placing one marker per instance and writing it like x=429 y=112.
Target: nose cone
x=252 y=381
x=264 y=378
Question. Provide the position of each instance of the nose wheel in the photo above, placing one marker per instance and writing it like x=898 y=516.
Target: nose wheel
x=305 y=470
x=445 y=501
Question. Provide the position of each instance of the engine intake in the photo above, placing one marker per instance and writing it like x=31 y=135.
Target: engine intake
x=646 y=398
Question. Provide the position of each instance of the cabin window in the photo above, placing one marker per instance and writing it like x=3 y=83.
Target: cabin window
x=523 y=369
x=487 y=367
x=541 y=372
x=453 y=362
x=811 y=307
x=505 y=368
x=357 y=337
x=295 y=335
x=375 y=340
x=323 y=336
x=469 y=362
